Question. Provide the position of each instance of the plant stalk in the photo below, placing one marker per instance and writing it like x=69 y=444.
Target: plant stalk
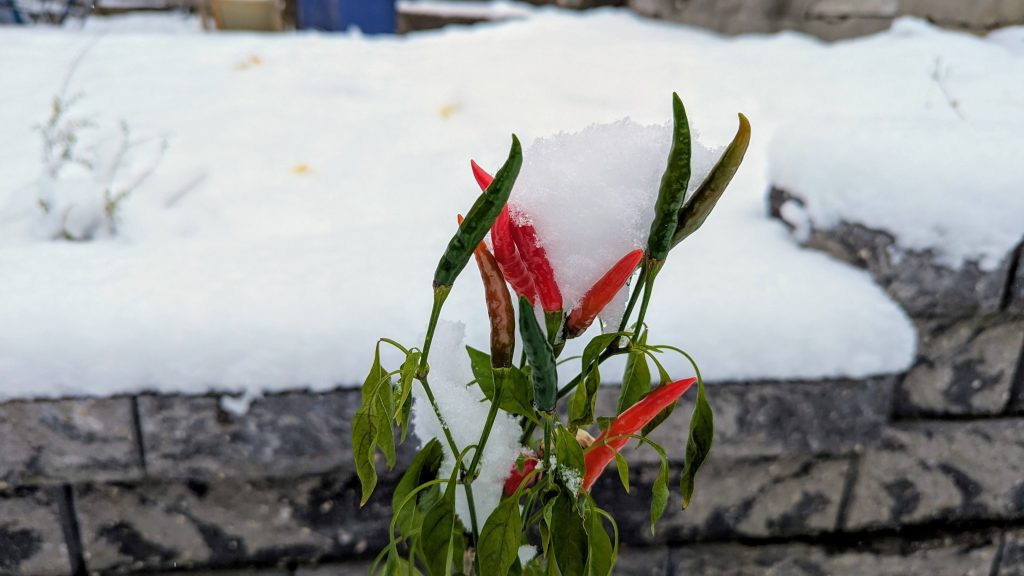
x=500 y=375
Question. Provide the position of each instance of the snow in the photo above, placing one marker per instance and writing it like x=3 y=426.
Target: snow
x=527 y=552
x=311 y=182
x=464 y=409
x=922 y=181
x=466 y=8
x=591 y=196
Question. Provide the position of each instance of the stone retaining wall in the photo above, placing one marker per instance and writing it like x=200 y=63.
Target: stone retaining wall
x=832 y=19
x=912 y=473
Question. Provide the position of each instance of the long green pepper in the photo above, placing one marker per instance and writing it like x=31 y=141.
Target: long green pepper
x=541 y=357
x=695 y=211
x=673 y=186
x=479 y=219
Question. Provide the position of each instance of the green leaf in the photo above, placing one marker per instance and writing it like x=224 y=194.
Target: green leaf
x=581 y=406
x=364 y=440
x=480 y=363
x=702 y=433
x=407 y=373
x=696 y=210
x=383 y=415
x=623 y=467
x=568 y=535
x=499 y=540
x=517 y=395
x=659 y=494
x=371 y=425
x=659 y=419
x=423 y=468
x=436 y=540
x=596 y=346
x=571 y=466
x=664 y=378
x=636 y=379
x=599 y=560
x=398 y=566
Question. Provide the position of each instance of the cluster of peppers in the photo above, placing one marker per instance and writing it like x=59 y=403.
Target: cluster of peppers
x=519 y=260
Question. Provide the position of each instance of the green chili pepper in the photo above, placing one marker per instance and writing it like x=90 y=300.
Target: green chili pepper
x=541 y=358
x=673 y=186
x=693 y=214
x=479 y=219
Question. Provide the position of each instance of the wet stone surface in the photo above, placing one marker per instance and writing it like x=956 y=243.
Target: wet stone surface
x=915 y=279
x=634 y=561
x=346 y=569
x=158 y=526
x=55 y=441
x=941 y=472
x=748 y=497
x=281 y=435
x=834 y=417
x=1015 y=294
x=31 y=533
x=1011 y=561
x=973 y=556
x=963 y=367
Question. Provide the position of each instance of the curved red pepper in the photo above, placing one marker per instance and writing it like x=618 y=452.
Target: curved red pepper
x=516 y=478
x=601 y=293
x=536 y=259
x=509 y=260
x=629 y=422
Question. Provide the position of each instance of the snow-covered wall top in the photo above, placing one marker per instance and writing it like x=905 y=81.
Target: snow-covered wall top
x=310 y=183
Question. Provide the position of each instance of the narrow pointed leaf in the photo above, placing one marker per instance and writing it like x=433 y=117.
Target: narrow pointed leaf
x=698 y=446
x=499 y=540
x=659 y=495
x=569 y=455
x=623 y=468
x=568 y=536
x=636 y=379
x=422 y=469
x=364 y=441
x=599 y=559
x=438 y=525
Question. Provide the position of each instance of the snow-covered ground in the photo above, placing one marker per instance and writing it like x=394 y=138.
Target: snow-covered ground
x=311 y=181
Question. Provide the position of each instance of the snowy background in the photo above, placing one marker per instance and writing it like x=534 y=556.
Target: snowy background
x=310 y=183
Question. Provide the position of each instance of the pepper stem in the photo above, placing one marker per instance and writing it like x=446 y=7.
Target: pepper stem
x=640 y=283
x=500 y=375
x=653 y=267
x=440 y=295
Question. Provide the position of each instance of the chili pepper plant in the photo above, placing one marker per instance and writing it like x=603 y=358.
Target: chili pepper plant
x=545 y=520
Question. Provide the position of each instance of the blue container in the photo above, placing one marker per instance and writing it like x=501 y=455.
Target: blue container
x=370 y=16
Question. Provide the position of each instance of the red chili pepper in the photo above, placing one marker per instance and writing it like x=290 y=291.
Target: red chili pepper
x=536 y=259
x=511 y=263
x=517 y=478
x=482 y=177
x=601 y=293
x=629 y=422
